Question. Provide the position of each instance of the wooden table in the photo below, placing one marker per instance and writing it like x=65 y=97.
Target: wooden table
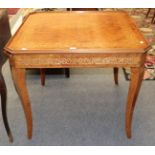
x=77 y=39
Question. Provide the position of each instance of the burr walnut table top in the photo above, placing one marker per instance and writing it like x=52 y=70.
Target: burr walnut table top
x=60 y=32
x=77 y=39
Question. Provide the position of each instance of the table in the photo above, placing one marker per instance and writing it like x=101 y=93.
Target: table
x=77 y=39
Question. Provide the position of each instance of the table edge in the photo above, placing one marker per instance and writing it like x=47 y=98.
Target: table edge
x=11 y=51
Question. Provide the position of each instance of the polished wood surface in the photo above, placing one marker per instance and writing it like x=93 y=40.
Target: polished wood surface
x=18 y=76
x=67 y=70
x=78 y=32
x=78 y=39
x=135 y=84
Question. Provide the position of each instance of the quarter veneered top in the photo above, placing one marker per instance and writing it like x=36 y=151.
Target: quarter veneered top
x=110 y=31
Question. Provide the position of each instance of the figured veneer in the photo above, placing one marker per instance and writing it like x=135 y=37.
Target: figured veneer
x=78 y=39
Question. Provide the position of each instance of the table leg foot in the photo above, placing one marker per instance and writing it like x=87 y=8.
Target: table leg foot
x=116 y=75
x=20 y=85
x=135 y=83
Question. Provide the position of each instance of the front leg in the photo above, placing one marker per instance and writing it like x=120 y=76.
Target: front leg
x=20 y=85
x=135 y=84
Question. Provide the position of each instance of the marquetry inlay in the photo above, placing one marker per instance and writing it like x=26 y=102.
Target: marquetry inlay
x=75 y=60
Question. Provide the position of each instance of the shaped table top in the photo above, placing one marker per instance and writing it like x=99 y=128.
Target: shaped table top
x=67 y=32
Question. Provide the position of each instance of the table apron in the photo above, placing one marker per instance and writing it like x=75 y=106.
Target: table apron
x=76 y=60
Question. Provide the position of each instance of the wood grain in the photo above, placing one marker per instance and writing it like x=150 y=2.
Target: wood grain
x=18 y=76
x=72 y=31
x=78 y=39
x=135 y=84
x=75 y=60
